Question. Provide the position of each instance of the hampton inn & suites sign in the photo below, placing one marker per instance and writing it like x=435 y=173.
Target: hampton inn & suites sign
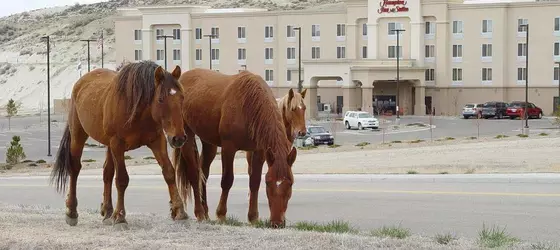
x=389 y=6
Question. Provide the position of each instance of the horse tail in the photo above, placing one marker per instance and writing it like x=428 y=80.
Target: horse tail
x=181 y=176
x=63 y=162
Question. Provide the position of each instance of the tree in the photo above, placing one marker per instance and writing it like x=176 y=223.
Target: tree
x=15 y=153
x=12 y=110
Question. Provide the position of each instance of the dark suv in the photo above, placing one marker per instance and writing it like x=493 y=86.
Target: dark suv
x=494 y=109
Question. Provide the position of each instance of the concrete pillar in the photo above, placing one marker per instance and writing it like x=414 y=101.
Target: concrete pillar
x=186 y=51
x=367 y=97
x=349 y=97
x=420 y=102
x=311 y=103
x=147 y=44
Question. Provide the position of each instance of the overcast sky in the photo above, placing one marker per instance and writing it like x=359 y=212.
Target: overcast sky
x=17 y=6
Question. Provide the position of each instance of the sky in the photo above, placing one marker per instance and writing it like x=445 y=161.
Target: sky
x=19 y=6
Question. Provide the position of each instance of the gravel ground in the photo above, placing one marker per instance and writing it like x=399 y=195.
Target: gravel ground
x=33 y=227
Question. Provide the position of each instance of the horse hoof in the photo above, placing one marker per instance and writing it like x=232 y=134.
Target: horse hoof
x=121 y=226
x=181 y=216
x=107 y=222
x=71 y=221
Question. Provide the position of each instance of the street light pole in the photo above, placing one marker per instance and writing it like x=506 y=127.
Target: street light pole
x=47 y=38
x=210 y=48
x=526 y=75
x=558 y=100
x=88 y=41
x=165 y=48
x=300 y=82
x=398 y=70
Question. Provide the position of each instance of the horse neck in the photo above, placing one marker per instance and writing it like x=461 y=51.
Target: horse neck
x=288 y=127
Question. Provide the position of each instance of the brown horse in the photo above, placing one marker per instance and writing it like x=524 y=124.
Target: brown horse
x=124 y=110
x=235 y=112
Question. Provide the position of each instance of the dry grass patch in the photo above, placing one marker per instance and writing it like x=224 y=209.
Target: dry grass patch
x=336 y=226
x=392 y=232
x=495 y=237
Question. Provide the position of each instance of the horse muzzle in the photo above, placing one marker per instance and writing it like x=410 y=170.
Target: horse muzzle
x=177 y=141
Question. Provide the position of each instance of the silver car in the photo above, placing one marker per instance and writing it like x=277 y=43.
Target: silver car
x=472 y=109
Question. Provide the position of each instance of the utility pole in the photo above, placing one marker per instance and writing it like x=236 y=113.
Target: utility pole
x=88 y=59
x=102 y=41
x=558 y=100
x=165 y=48
x=210 y=48
x=300 y=82
x=398 y=68
x=48 y=40
x=526 y=76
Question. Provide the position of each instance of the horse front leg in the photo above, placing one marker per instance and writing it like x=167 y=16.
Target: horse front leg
x=121 y=181
x=208 y=154
x=159 y=149
x=255 y=173
x=228 y=155
x=108 y=174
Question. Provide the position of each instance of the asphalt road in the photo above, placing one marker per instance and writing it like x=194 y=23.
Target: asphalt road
x=427 y=204
x=33 y=131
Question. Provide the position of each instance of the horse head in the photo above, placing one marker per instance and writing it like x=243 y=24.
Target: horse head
x=279 y=186
x=294 y=111
x=167 y=106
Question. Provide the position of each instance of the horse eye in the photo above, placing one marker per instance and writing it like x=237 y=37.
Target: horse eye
x=160 y=100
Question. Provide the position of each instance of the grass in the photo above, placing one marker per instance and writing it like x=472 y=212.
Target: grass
x=472 y=138
x=149 y=158
x=523 y=135
x=449 y=138
x=307 y=147
x=444 y=172
x=127 y=157
x=501 y=136
x=543 y=134
x=26 y=161
x=262 y=223
x=41 y=161
x=396 y=142
x=417 y=141
x=362 y=144
x=392 y=232
x=88 y=160
x=412 y=172
x=445 y=239
x=495 y=237
x=334 y=146
x=337 y=226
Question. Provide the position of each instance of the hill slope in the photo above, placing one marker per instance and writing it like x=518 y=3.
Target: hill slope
x=23 y=53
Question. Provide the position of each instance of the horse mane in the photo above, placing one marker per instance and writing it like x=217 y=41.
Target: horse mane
x=135 y=82
x=265 y=125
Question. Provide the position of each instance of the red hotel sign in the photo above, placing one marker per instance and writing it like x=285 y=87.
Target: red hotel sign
x=387 y=6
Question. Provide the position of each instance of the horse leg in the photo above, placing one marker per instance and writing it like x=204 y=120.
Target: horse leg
x=228 y=155
x=159 y=148
x=117 y=148
x=77 y=142
x=208 y=154
x=255 y=173
x=108 y=174
x=196 y=177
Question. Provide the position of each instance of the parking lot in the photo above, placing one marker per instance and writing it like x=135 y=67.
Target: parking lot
x=33 y=132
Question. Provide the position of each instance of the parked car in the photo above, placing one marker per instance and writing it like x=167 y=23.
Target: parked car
x=517 y=109
x=494 y=109
x=317 y=135
x=472 y=109
x=360 y=119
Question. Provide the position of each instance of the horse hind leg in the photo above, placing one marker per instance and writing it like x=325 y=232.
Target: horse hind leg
x=228 y=155
x=108 y=174
x=78 y=139
x=208 y=154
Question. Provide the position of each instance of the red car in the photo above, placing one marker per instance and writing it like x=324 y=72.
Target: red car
x=517 y=109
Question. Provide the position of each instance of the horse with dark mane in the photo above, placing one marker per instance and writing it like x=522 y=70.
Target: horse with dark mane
x=137 y=106
x=235 y=112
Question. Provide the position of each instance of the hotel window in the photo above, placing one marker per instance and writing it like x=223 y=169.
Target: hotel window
x=215 y=54
x=364 y=29
x=521 y=22
x=288 y=75
x=315 y=52
x=241 y=54
x=557 y=49
x=430 y=75
x=176 y=34
x=290 y=32
x=340 y=52
x=159 y=32
x=486 y=26
x=393 y=26
x=241 y=32
x=268 y=53
x=198 y=54
x=160 y=54
x=486 y=74
x=291 y=53
x=198 y=33
x=392 y=53
x=268 y=32
x=137 y=35
x=557 y=24
x=556 y=73
x=315 y=30
x=457 y=74
x=341 y=30
x=521 y=49
x=176 y=54
x=457 y=50
x=215 y=32
x=487 y=50
x=269 y=75
x=430 y=51
x=430 y=28
x=364 y=52
x=137 y=55
x=457 y=27
x=521 y=74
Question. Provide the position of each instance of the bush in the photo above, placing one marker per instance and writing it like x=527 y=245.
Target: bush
x=15 y=153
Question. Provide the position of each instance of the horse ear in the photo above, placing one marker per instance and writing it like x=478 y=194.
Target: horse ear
x=290 y=95
x=159 y=75
x=292 y=156
x=303 y=93
x=269 y=155
x=177 y=72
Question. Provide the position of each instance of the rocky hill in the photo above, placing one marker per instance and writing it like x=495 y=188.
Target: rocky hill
x=23 y=52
